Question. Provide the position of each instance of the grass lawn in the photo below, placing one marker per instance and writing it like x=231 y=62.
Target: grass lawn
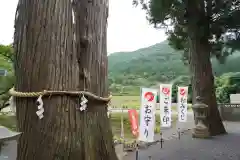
x=10 y=122
x=131 y=102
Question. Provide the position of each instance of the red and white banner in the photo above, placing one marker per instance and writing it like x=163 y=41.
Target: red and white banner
x=182 y=103
x=165 y=103
x=147 y=114
x=133 y=117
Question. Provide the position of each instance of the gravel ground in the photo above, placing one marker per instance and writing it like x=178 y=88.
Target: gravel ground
x=224 y=147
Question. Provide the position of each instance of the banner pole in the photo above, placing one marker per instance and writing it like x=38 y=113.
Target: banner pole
x=122 y=127
x=122 y=133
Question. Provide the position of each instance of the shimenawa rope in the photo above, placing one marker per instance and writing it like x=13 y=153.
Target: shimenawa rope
x=15 y=93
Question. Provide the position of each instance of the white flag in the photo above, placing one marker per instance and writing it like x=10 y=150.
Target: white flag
x=165 y=104
x=182 y=103
x=147 y=114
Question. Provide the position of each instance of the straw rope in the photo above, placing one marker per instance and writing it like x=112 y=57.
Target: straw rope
x=15 y=93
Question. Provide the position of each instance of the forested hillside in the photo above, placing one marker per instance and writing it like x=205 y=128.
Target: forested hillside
x=157 y=63
x=128 y=71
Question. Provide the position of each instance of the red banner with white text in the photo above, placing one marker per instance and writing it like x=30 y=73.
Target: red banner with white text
x=133 y=117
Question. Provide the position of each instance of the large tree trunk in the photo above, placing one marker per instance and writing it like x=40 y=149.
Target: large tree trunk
x=203 y=84
x=91 y=44
x=200 y=64
x=46 y=59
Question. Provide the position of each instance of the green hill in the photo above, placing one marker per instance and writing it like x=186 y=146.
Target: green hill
x=154 y=64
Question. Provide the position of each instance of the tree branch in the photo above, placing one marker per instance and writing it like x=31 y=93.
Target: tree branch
x=4 y=105
x=4 y=92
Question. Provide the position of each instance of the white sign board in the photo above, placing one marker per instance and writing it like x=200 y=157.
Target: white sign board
x=235 y=98
x=182 y=95
x=165 y=104
x=3 y=72
x=147 y=114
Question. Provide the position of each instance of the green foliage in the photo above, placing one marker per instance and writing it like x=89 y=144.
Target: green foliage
x=218 y=21
x=147 y=67
x=8 y=121
x=128 y=72
x=6 y=82
x=126 y=101
x=227 y=84
x=6 y=52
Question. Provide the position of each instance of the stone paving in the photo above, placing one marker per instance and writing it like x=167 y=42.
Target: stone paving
x=8 y=150
x=224 y=147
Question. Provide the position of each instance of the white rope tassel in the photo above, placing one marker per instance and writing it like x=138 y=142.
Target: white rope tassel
x=83 y=103
x=40 y=108
x=12 y=104
x=109 y=111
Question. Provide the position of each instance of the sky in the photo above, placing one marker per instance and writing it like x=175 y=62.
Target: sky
x=128 y=29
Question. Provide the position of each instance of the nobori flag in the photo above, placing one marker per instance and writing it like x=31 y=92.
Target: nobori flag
x=147 y=114
x=182 y=103
x=165 y=104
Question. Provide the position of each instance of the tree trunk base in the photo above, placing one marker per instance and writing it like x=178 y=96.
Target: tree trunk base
x=217 y=128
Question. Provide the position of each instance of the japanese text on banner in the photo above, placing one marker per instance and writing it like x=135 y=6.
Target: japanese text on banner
x=182 y=104
x=147 y=115
x=165 y=104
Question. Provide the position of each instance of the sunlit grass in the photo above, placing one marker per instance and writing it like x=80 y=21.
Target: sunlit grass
x=131 y=102
x=8 y=121
x=128 y=101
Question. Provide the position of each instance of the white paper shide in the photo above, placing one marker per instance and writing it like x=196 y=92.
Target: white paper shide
x=147 y=114
x=40 y=107
x=83 y=103
x=165 y=104
x=182 y=103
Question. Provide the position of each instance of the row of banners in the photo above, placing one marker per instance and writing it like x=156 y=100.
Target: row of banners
x=145 y=131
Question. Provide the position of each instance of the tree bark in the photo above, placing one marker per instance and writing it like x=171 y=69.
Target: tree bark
x=91 y=45
x=203 y=84
x=200 y=64
x=46 y=58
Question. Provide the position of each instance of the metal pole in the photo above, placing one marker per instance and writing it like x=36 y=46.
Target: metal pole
x=179 y=133
x=122 y=133
x=161 y=140
x=137 y=153
x=122 y=125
